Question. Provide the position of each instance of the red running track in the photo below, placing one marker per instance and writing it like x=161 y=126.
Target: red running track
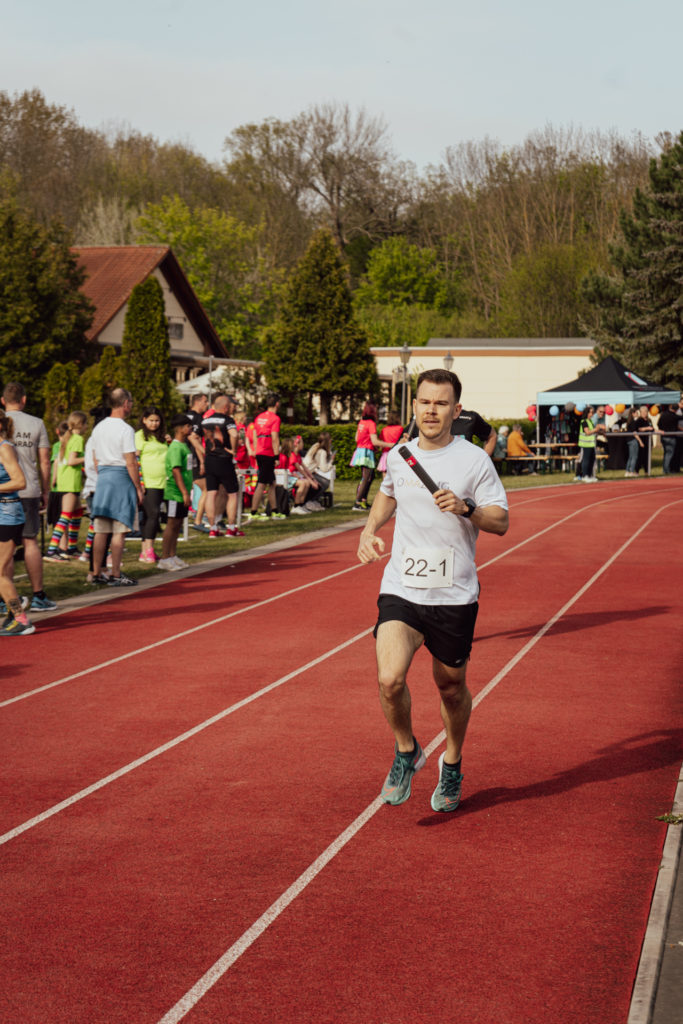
x=190 y=829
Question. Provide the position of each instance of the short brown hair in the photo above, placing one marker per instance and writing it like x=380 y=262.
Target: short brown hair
x=439 y=376
x=14 y=392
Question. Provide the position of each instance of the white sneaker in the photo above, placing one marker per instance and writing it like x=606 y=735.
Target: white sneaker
x=179 y=562
x=590 y=479
x=168 y=565
x=299 y=510
x=578 y=479
x=313 y=506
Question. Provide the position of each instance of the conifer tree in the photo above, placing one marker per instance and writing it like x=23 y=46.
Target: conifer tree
x=315 y=344
x=640 y=307
x=145 y=348
x=62 y=392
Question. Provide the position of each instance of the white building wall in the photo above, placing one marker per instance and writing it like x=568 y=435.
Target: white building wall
x=497 y=383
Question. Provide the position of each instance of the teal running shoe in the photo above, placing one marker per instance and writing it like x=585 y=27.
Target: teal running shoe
x=396 y=788
x=446 y=796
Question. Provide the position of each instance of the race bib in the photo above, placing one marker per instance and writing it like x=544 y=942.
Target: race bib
x=424 y=568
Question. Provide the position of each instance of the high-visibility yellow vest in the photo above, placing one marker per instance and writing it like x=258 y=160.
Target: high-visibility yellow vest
x=586 y=440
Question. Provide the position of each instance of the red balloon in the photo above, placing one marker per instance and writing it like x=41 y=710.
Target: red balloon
x=609 y=410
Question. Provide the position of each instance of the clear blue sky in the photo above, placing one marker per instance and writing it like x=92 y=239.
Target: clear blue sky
x=438 y=71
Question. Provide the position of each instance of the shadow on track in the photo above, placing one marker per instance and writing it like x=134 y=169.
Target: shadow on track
x=645 y=753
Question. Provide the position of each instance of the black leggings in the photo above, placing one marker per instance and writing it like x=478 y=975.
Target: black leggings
x=366 y=479
x=151 y=506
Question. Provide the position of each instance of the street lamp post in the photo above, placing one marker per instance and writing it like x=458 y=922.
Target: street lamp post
x=448 y=361
x=405 y=354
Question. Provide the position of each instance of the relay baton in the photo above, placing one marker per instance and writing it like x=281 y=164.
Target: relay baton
x=417 y=469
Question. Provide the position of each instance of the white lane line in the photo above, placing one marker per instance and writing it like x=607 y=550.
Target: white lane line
x=176 y=636
x=101 y=783
x=247 y=939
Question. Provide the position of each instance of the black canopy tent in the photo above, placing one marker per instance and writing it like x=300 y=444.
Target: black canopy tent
x=608 y=383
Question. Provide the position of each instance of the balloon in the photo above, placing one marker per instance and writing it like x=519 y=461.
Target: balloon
x=619 y=407
x=569 y=406
x=579 y=409
x=654 y=411
x=554 y=411
x=609 y=410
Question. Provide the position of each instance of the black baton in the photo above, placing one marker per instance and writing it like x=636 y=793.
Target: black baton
x=417 y=469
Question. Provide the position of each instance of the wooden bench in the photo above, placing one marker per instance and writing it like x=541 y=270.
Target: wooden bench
x=542 y=460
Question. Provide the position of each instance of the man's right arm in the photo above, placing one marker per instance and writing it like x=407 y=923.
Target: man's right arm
x=371 y=547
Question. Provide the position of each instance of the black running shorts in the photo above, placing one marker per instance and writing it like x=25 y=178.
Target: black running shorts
x=221 y=470
x=448 y=629
x=266 y=469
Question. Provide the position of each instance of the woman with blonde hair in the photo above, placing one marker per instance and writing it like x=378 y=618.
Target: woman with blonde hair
x=12 y=480
x=68 y=480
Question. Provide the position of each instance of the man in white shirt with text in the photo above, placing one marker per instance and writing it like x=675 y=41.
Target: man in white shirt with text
x=429 y=592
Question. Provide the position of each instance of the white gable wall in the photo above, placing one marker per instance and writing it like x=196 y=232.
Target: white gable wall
x=189 y=343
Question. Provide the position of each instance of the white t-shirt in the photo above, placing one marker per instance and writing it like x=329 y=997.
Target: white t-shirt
x=29 y=436
x=111 y=440
x=460 y=467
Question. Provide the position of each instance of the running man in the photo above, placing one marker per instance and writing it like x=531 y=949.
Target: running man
x=429 y=592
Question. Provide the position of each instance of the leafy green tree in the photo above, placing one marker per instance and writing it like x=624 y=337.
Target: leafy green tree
x=43 y=314
x=640 y=306
x=62 y=392
x=401 y=274
x=225 y=263
x=541 y=296
x=145 y=348
x=315 y=344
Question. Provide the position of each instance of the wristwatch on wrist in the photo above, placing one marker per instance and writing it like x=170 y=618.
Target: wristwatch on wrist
x=470 y=508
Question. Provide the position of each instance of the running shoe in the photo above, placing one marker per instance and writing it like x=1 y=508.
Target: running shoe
x=168 y=565
x=40 y=604
x=446 y=796
x=299 y=510
x=313 y=506
x=24 y=605
x=179 y=562
x=122 y=581
x=277 y=515
x=13 y=627
x=359 y=508
x=396 y=788
x=200 y=527
x=234 y=531
x=215 y=533
x=54 y=555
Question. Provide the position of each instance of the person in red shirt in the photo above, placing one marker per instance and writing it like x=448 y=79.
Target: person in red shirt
x=267 y=429
x=393 y=432
x=305 y=481
x=364 y=455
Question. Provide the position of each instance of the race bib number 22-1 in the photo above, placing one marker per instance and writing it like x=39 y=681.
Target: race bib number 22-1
x=424 y=568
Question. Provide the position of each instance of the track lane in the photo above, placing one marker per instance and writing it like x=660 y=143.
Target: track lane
x=131 y=867
x=64 y=746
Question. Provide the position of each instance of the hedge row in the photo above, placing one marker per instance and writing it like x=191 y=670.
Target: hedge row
x=344 y=441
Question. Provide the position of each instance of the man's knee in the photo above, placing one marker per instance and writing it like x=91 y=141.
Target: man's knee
x=391 y=684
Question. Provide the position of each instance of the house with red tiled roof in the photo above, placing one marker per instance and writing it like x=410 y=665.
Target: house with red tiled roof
x=111 y=274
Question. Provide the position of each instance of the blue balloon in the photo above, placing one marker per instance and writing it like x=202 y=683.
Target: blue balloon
x=554 y=411
x=580 y=407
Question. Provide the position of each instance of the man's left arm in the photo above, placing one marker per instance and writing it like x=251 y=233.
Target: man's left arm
x=490 y=443
x=488 y=518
